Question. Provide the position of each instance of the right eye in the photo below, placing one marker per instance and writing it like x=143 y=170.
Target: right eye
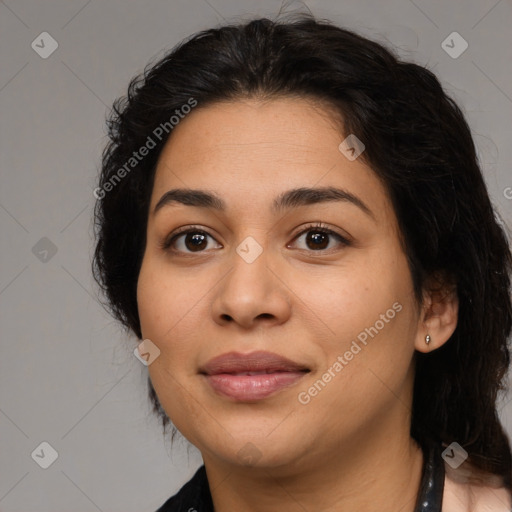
x=189 y=240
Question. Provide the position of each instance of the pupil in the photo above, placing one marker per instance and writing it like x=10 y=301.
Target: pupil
x=318 y=237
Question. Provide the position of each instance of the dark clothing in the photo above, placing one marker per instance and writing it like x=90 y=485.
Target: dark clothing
x=194 y=496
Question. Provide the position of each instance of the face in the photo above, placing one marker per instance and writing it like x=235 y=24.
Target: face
x=320 y=280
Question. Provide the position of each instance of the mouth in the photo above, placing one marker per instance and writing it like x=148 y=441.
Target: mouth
x=261 y=372
x=255 y=362
x=251 y=377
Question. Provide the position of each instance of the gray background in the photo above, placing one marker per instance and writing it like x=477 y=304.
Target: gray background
x=67 y=371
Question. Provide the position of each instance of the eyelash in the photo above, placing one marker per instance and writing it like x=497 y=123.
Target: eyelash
x=166 y=243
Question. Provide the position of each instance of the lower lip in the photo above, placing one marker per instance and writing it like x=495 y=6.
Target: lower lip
x=252 y=387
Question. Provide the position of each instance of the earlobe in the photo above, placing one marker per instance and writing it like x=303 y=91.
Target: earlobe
x=439 y=316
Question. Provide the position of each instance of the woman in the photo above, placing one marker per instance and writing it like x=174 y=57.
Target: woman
x=295 y=223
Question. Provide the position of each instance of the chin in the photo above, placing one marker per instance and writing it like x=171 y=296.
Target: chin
x=259 y=452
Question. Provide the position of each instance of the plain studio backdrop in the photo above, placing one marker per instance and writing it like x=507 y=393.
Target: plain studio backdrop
x=68 y=376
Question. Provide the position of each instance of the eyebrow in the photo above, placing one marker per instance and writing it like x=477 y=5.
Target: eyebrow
x=293 y=198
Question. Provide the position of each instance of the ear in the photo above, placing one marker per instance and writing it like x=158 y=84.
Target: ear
x=439 y=313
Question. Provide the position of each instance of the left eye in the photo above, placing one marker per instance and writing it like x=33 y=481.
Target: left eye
x=319 y=238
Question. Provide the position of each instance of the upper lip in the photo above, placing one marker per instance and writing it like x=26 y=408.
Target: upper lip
x=234 y=362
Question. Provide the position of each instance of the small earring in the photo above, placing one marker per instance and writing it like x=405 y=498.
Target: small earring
x=427 y=339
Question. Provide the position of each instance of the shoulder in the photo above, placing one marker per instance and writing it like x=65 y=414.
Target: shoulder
x=466 y=489
x=194 y=496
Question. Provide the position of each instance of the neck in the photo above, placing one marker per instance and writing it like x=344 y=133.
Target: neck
x=377 y=470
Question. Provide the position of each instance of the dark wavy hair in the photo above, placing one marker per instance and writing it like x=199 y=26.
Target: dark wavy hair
x=419 y=145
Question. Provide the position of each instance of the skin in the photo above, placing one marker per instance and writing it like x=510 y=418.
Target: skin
x=349 y=448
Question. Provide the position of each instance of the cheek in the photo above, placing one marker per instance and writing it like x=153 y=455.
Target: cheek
x=370 y=311
x=170 y=316
x=354 y=297
x=160 y=303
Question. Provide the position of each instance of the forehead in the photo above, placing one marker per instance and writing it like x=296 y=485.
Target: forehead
x=252 y=150
x=295 y=127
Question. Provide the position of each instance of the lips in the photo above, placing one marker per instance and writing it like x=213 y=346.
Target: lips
x=251 y=377
x=255 y=363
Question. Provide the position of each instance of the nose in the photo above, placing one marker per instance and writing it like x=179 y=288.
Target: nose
x=251 y=294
